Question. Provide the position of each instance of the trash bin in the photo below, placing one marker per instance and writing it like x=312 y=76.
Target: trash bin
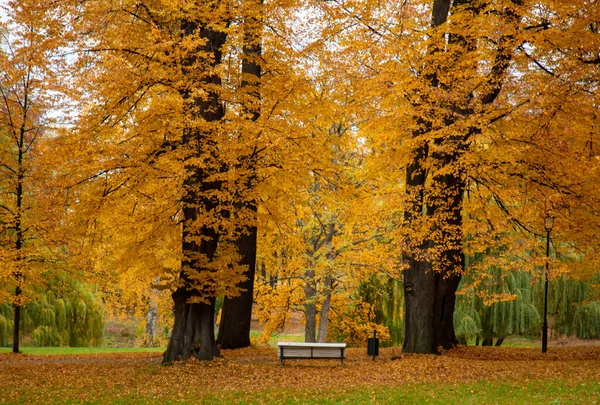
x=373 y=345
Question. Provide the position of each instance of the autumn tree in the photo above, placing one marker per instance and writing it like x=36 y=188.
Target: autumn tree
x=449 y=108
x=29 y=91
x=177 y=136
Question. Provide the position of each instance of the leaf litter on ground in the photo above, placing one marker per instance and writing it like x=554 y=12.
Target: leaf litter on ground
x=141 y=377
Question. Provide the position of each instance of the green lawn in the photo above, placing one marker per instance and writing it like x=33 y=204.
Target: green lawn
x=98 y=350
x=482 y=392
x=280 y=338
x=82 y=350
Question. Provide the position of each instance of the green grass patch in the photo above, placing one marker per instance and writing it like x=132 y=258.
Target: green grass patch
x=482 y=392
x=83 y=350
x=280 y=338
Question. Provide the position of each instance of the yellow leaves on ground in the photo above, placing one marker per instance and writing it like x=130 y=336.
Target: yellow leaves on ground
x=139 y=377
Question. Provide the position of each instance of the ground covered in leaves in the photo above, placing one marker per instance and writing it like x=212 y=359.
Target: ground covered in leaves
x=253 y=375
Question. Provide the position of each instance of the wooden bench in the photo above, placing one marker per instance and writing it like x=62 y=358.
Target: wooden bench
x=297 y=350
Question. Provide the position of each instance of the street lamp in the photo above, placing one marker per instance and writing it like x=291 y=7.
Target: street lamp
x=548 y=224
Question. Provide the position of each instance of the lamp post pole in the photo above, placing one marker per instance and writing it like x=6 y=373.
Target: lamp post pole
x=548 y=224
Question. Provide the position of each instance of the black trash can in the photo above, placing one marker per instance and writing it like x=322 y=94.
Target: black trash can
x=373 y=346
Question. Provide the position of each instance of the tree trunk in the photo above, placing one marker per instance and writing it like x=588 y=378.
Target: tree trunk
x=430 y=300
x=151 y=316
x=193 y=330
x=419 y=287
x=487 y=327
x=17 y=321
x=445 y=302
x=499 y=342
x=448 y=202
x=418 y=302
x=430 y=293
x=324 y=316
x=194 y=300
x=19 y=234
x=151 y=319
x=236 y=316
x=310 y=307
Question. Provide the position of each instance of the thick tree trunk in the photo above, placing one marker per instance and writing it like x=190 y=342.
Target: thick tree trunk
x=193 y=330
x=419 y=298
x=445 y=302
x=236 y=316
x=448 y=203
x=435 y=267
x=431 y=283
x=194 y=300
x=419 y=287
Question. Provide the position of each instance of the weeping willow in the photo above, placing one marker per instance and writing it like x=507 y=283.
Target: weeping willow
x=572 y=310
x=69 y=315
x=387 y=296
x=575 y=307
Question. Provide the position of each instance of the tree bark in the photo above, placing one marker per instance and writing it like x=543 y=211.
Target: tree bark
x=419 y=290
x=418 y=278
x=193 y=330
x=236 y=316
x=194 y=301
x=17 y=321
x=22 y=147
x=310 y=307
x=448 y=200
x=151 y=318
x=325 y=307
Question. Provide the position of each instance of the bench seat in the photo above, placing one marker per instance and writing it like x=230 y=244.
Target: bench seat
x=299 y=350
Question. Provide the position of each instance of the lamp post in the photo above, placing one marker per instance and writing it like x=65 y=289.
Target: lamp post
x=548 y=224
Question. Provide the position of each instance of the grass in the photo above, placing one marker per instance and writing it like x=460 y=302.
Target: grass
x=83 y=350
x=284 y=337
x=482 y=392
x=100 y=350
